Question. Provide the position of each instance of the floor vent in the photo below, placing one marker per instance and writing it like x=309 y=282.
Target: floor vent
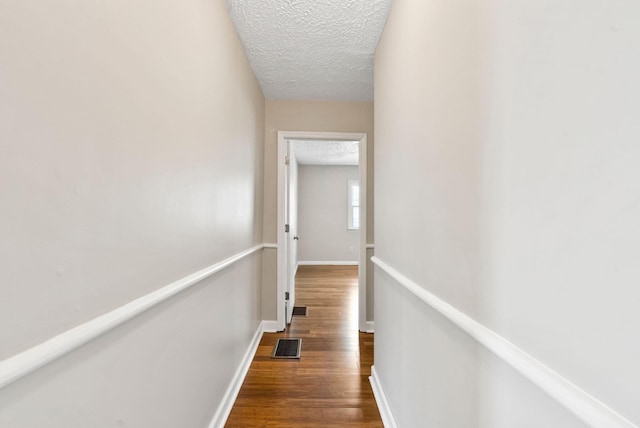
x=287 y=348
x=300 y=310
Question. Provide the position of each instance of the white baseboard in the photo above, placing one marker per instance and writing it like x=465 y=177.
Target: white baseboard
x=381 y=400
x=270 y=326
x=224 y=409
x=369 y=327
x=328 y=263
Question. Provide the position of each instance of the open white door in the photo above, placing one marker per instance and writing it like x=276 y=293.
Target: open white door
x=287 y=240
x=288 y=309
x=290 y=226
x=292 y=221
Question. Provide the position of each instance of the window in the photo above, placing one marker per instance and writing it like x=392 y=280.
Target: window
x=353 y=214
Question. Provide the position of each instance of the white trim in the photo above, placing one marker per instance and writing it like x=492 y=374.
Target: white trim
x=270 y=326
x=586 y=407
x=271 y=246
x=364 y=214
x=281 y=264
x=370 y=246
x=230 y=395
x=13 y=368
x=282 y=138
x=328 y=263
x=370 y=327
x=381 y=400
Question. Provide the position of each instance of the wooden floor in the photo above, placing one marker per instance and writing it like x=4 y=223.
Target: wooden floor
x=328 y=386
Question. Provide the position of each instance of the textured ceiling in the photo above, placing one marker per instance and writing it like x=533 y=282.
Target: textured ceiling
x=320 y=152
x=311 y=49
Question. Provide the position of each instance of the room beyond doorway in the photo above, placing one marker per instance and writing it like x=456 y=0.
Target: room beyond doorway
x=287 y=240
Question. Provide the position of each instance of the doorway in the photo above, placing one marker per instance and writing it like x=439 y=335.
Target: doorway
x=287 y=239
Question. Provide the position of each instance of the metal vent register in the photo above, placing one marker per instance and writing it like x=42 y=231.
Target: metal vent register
x=287 y=348
x=299 y=310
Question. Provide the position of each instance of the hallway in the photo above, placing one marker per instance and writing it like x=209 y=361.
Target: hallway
x=329 y=385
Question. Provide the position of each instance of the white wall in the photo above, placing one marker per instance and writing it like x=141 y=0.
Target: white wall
x=131 y=155
x=322 y=214
x=505 y=137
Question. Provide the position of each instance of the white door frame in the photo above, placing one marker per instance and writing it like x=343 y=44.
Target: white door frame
x=283 y=136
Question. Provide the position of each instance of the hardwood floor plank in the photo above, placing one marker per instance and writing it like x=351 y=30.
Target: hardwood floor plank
x=329 y=385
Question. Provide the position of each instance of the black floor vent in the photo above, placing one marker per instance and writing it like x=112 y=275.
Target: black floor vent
x=300 y=310
x=287 y=348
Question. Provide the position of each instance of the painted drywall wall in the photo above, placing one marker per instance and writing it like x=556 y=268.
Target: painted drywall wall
x=287 y=115
x=131 y=155
x=323 y=214
x=508 y=147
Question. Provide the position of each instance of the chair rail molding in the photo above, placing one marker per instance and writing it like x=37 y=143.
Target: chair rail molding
x=583 y=405
x=23 y=363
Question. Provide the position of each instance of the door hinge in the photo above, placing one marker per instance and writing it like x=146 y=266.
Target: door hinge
x=286 y=295
x=286 y=228
x=286 y=160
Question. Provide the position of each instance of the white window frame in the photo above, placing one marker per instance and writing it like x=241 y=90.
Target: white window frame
x=351 y=184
